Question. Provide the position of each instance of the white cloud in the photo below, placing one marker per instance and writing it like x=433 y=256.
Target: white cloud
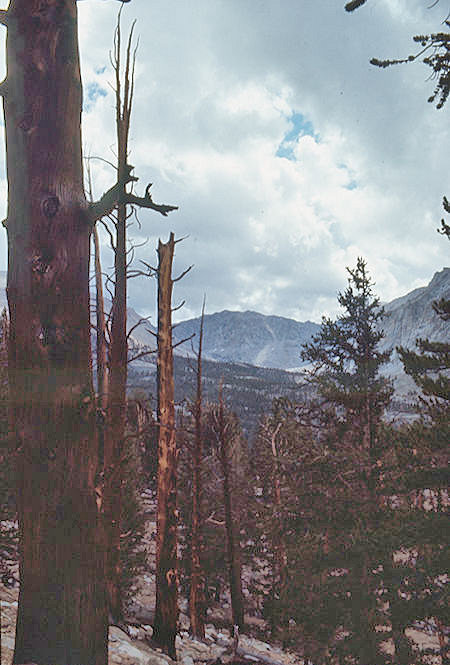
x=219 y=88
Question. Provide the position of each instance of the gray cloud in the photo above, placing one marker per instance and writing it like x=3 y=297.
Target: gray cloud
x=218 y=83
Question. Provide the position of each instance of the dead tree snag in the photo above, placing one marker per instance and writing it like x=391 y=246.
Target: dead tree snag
x=166 y=611
x=62 y=613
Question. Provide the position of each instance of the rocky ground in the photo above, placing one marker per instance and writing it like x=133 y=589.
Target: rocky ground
x=133 y=646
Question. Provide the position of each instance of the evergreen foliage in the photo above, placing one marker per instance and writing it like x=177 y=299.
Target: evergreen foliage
x=345 y=353
x=330 y=457
x=437 y=48
x=363 y=506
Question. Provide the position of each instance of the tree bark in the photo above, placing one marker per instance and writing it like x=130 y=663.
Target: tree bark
x=118 y=348
x=62 y=611
x=101 y=345
x=166 y=611
x=233 y=545
x=197 y=594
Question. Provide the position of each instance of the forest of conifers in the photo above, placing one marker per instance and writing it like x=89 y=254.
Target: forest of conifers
x=329 y=524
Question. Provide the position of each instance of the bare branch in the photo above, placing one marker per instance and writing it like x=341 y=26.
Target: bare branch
x=142 y=320
x=183 y=274
x=141 y=355
x=101 y=159
x=174 y=346
x=108 y=230
x=354 y=4
x=175 y=309
x=147 y=202
x=111 y=198
x=180 y=239
x=131 y=274
x=150 y=268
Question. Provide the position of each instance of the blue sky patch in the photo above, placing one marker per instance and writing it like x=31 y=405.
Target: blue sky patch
x=352 y=183
x=300 y=127
x=93 y=92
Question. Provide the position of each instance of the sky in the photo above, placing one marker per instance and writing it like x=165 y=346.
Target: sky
x=288 y=154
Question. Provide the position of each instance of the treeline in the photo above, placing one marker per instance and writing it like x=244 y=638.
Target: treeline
x=338 y=516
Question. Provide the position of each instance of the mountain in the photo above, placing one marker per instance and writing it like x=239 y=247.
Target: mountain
x=275 y=342
x=251 y=350
x=411 y=317
x=248 y=337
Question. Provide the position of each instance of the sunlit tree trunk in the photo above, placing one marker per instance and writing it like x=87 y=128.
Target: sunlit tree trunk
x=166 y=611
x=62 y=612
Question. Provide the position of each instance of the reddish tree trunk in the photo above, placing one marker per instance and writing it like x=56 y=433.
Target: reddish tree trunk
x=118 y=347
x=115 y=422
x=197 y=593
x=61 y=614
x=166 y=611
x=101 y=345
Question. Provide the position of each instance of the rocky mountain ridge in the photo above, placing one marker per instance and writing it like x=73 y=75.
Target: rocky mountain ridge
x=275 y=342
x=411 y=317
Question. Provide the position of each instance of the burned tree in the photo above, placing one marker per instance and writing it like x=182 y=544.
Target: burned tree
x=197 y=592
x=62 y=614
x=166 y=611
x=118 y=345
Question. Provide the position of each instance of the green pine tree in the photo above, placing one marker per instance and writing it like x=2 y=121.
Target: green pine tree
x=346 y=375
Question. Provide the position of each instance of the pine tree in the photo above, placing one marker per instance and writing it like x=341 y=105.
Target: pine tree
x=346 y=362
x=425 y=476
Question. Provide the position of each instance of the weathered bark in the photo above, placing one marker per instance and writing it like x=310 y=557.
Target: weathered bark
x=197 y=594
x=62 y=611
x=118 y=348
x=101 y=344
x=233 y=545
x=166 y=611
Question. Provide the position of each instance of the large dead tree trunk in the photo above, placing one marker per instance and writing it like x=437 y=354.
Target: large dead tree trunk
x=197 y=594
x=118 y=346
x=62 y=617
x=62 y=613
x=166 y=611
x=101 y=343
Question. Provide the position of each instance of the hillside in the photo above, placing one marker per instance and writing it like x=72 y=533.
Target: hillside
x=251 y=352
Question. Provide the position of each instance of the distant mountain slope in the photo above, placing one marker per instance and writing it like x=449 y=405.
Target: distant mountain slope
x=248 y=337
x=411 y=317
x=275 y=342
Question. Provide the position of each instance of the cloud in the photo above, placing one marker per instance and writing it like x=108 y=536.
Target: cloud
x=288 y=154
